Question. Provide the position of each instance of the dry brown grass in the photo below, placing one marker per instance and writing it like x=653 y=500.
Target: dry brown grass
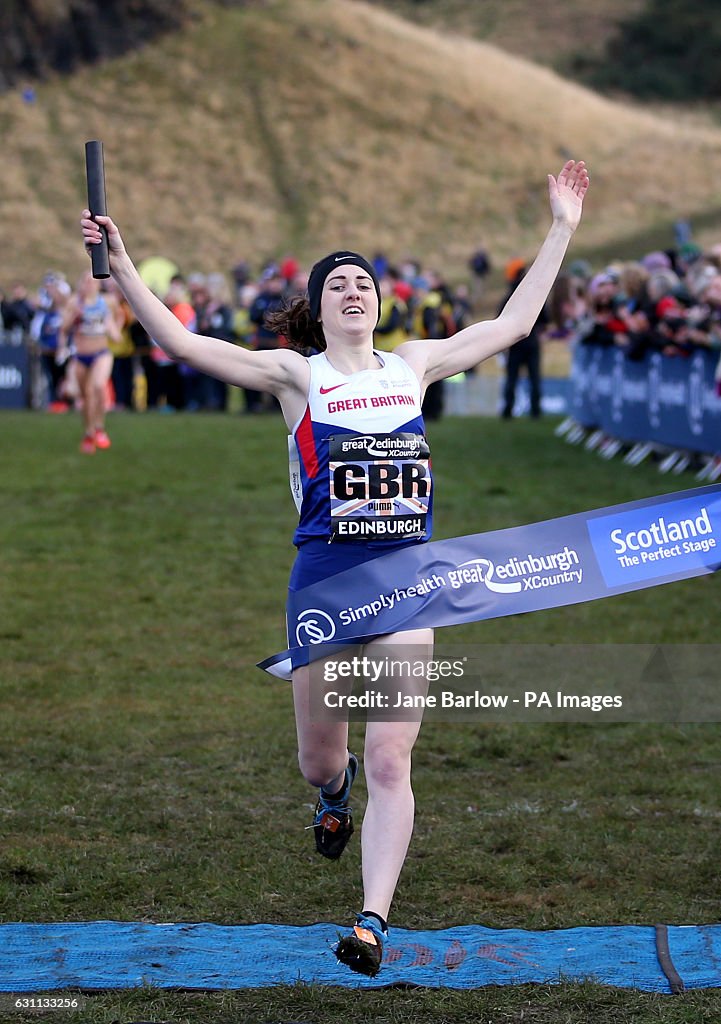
x=312 y=124
x=547 y=32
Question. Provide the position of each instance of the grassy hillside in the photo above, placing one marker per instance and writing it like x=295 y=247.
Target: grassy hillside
x=321 y=123
x=547 y=32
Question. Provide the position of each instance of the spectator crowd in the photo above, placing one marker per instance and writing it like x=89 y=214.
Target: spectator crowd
x=415 y=303
x=666 y=301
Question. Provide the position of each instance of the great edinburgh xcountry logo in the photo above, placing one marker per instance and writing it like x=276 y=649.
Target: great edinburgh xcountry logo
x=384 y=446
x=314 y=626
x=533 y=572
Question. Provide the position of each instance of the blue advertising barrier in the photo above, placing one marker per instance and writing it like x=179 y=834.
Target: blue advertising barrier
x=14 y=373
x=665 y=400
x=565 y=561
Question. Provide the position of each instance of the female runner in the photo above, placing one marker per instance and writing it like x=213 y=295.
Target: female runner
x=88 y=323
x=327 y=397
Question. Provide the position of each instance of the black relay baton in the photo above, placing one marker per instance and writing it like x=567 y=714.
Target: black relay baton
x=95 y=173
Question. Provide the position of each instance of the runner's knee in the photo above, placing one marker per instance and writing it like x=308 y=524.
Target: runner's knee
x=320 y=767
x=387 y=766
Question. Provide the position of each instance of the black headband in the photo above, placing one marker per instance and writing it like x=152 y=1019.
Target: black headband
x=322 y=269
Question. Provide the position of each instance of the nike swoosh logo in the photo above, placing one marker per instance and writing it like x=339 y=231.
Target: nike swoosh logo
x=325 y=391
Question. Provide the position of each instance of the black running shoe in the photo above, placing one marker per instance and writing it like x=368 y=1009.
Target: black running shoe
x=362 y=950
x=333 y=821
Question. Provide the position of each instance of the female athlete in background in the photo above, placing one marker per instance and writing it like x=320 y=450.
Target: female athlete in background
x=88 y=323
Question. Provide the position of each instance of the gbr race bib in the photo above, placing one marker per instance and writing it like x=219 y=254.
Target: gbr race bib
x=380 y=486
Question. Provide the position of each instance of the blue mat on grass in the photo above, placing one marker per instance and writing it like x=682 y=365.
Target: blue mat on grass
x=116 y=955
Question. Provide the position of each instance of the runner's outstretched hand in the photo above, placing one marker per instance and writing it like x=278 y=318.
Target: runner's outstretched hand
x=567 y=192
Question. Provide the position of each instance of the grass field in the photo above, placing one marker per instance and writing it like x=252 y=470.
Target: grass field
x=142 y=751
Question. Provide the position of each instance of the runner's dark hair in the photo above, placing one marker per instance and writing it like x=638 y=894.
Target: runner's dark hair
x=294 y=321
